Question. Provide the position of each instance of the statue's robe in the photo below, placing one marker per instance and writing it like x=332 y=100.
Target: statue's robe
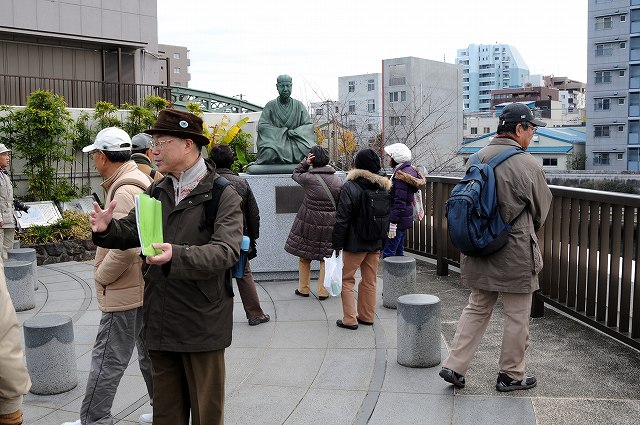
x=285 y=133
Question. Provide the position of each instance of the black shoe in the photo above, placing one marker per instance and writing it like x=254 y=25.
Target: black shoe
x=362 y=322
x=452 y=377
x=301 y=294
x=505 y=383
x=342 y=325
x=322 y=298
x=254 y=321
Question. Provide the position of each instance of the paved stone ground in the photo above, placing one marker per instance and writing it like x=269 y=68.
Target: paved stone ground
x=301 y=369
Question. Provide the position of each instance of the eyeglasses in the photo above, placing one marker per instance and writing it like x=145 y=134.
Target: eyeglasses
x=527 y=126
x=159 y=143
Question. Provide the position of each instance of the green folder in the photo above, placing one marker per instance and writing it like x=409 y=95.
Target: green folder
x=149 y=222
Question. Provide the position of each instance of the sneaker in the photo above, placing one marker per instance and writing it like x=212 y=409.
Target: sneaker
x=257 y=320
x=505 y=383
x=452 y=377
x=73 y=423
x=146 y=418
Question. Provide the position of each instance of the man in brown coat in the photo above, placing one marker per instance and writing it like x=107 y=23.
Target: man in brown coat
x=524 y=199
x=188 y=304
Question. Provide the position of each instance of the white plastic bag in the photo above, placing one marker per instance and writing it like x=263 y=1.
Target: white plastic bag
x=418 y=208
x=333 y=274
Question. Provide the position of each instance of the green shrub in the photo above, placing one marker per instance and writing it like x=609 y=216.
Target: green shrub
x=73 y=225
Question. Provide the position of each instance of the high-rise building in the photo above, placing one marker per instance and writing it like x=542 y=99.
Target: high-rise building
x=422 y=109
x=613 y=86
x=360 y=100
x=487 y=67
x=174 y=66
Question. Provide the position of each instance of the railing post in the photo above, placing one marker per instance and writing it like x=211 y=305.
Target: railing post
x=442 y=267
x=537 y=305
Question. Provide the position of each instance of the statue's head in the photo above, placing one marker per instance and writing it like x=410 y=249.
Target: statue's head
x=284 y=85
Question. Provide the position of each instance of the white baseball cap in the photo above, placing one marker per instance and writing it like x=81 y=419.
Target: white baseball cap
x=3 y=148
x=112 y=139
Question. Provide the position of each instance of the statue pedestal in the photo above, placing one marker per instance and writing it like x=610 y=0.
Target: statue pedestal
x=279 y=199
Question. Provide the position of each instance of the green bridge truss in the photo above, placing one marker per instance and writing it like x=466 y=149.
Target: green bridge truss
x=211 y=102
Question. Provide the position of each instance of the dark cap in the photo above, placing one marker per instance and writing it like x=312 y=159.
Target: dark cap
x=519 y=112
x=184 y=125
x=367 y=159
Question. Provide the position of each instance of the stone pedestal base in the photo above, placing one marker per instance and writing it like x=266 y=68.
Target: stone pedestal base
x=399 y=278
x=419 y=330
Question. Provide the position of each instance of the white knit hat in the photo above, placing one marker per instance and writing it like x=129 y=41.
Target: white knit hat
x=399 y=152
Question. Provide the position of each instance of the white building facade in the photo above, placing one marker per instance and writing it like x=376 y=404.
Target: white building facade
x=360 y=110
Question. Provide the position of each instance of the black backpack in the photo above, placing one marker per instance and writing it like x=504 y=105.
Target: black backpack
x=373 y=223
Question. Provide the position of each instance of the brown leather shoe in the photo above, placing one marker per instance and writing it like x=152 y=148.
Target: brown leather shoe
x=14 y=418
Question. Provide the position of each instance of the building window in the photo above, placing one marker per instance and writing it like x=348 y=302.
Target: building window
x=602 y=104
x=487 y=130
x=621 y=101
x=352 y=106
x=352 y=86
x=550 y=162
x=397 y=96
x=370 y=85
x=177 y=83
x=176 y=70
x=623 y=44
x=620 y=156
x=369 y=127
x=371 y=105
x=474 y=130
x=621 y=128
x=601 y=158
x=623 y=18
x=621 y=73
x=600 y=131
x=603 y=77
x=605 y=49
x=603 y=23
x=176 y=55
x=319 y=111
x=401 y=120
x=351 y=125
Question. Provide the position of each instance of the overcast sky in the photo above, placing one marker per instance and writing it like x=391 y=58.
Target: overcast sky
x=241 y=47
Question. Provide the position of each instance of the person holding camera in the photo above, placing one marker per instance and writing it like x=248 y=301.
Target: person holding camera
x=8 y=205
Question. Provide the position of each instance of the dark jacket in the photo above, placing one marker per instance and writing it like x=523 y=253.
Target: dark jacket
x=186 y=305
x=406 y=182
x=344 y=235
x=249 y=204
x=310 y=235
x=145 y=165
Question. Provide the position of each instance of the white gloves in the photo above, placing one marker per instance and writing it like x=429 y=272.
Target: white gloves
x=392 y=230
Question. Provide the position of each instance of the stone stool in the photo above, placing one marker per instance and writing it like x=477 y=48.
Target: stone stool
x=399 y=278
x=419 y=330
x=50 y=353
x=16 y=243
x=19 y=276
x=26 y=254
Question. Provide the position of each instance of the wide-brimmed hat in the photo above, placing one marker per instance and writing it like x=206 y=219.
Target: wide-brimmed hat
x=112 y=139
x=184 y=125
x=3 y=148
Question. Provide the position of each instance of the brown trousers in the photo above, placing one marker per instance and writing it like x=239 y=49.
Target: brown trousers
x=473 y=324
x=304 y=278
x=249 y=294
x=368 y=264
x=188 y=382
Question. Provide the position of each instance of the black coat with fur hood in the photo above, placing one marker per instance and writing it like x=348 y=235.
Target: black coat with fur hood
x=348 y=211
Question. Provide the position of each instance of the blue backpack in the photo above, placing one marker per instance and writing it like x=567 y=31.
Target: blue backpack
x=475 y=224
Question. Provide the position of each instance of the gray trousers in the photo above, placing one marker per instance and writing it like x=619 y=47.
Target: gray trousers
x=118 y=333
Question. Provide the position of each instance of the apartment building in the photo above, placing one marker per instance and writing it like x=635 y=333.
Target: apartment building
x=360 y=106
x=487 y=67
x=174 y=65
x=57 y=44
x=613 y=86
x=422 y=109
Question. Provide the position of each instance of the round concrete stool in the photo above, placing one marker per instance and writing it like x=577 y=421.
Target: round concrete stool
x=16 y=243
x=399 y=278
x=19 y=276
x=26 y=254
x=419 y=330
x=50 y=353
